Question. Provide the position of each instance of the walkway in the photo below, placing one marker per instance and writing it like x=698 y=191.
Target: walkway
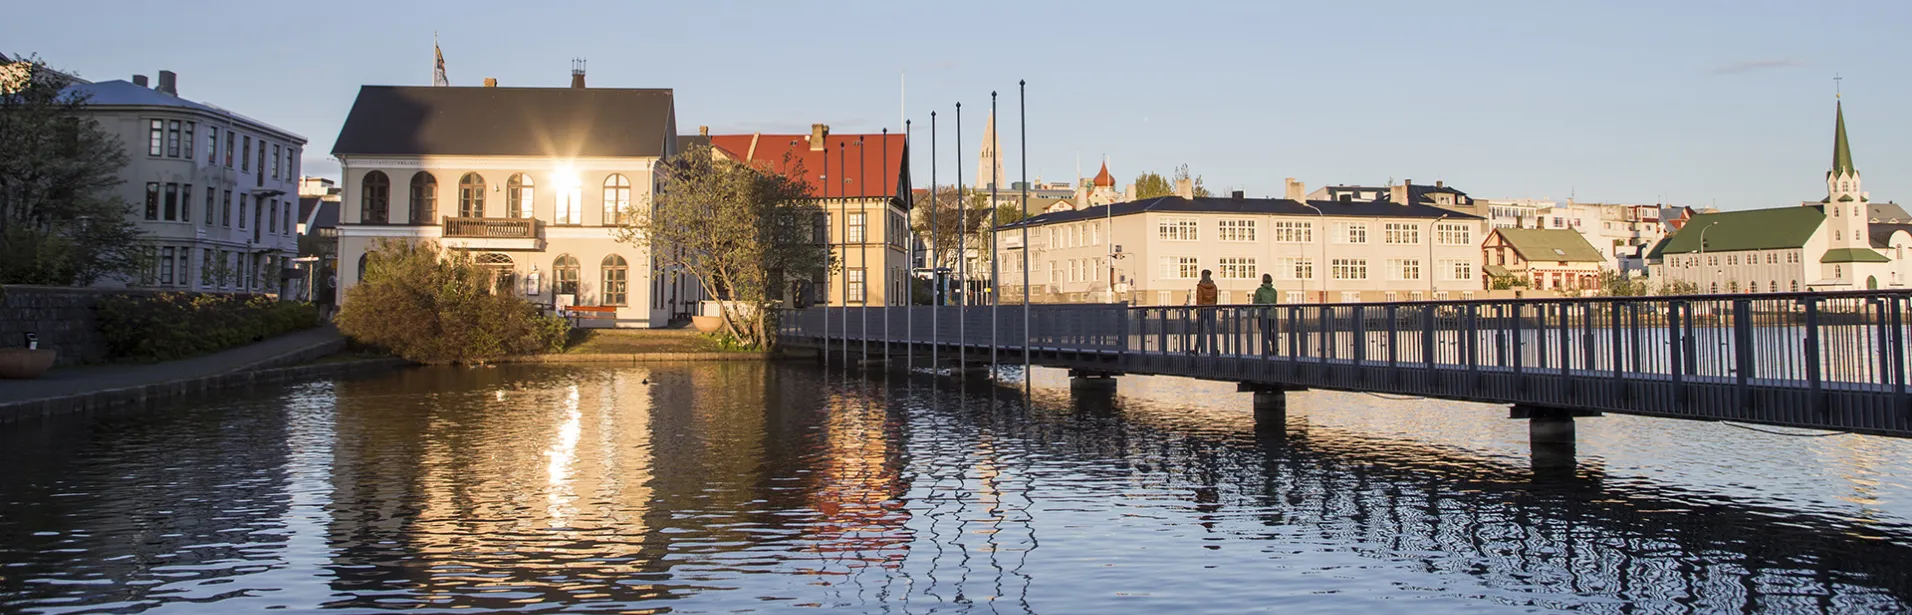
x=69 y=382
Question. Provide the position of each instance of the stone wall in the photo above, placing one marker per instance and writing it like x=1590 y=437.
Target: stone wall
x=63 y=318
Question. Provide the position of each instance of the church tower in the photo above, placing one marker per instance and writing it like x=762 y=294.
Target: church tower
x=988 y=162
x=1845 y=202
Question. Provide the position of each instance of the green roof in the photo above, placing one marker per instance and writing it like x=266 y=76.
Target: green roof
x=1550 y=245
x=1753 y=229
x=1841 y=153
x=1853 y=255
x=1496 y=270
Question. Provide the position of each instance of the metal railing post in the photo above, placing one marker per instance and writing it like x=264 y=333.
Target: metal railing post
x=1814 y=383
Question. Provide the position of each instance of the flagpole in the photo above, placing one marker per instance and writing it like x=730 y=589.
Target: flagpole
x=843 y=211
x=909 y=293
x=824 y=183
x=995 y=274
x=962 y=255
x=863 y=243
x=935 y=257
x=888 y=301
x=1022 y=102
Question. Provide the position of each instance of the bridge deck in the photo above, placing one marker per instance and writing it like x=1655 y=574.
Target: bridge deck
x=1820 y=360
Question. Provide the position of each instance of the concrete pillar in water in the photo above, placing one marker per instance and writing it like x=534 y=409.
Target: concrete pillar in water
x=1093 y=391
x=1550 y=435
x=1271 y=405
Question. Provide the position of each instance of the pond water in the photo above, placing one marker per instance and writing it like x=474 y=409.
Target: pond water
x=718 y=488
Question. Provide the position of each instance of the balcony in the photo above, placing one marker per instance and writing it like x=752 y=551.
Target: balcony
x=494 y=233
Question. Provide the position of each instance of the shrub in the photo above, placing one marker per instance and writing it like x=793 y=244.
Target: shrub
x=167 y=326
x=431 y=305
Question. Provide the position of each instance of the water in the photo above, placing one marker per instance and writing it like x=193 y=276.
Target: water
x=748 y=487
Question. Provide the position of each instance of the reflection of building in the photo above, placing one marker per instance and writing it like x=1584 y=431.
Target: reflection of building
x=213 y=189
x=1833 y=244
x=859 y=180
x=533 y=181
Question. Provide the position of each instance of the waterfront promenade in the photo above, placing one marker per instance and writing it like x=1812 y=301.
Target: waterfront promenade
x=96 y=386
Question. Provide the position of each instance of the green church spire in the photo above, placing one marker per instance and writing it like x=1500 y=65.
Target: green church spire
x=1841 y=154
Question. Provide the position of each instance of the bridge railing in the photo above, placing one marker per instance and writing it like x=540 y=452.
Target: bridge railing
x=1831 y=341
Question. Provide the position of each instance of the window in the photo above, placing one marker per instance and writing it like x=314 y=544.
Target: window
x=471 y=196
x=1390 y=296
x=171 y=211
x=1795 y=285
x=152 y=200
x=502 y=270
x=614 y=280
x=855 y=223
x=424 y=198
x=1176 y=229
x=1181 y=267
x=1453 y=234
x=1237 y=268
x=187 y=146
x=229 y=139
x=1349 y=268
x=242 y=210
x=166 y=265
x=617 y=199
x=291 y=162
x=225 y=209
x=1404 y=269
x=1732 y=259
x=1294 y=232
x=1838 y=271
x=1416 y=296
x=1402 y=233
x=245 y=154
x=156 y=138
x=1349 y=232
x=1297 y=269
x=1162 y=297
x=172 y=138
x=275 y=159
x=212 y=198
x=853 y=285
x=519 y=193
x=212 y=145
x=1441 y=295
x=1467 y=295
x=375 y=199
x=564 y=276
x=1350 y=296
x=570 y=206
x=272 y=217
x=186 y=202
x=1772 y=286
x=1458 y=268
x=1238 y=230
x=287 y=229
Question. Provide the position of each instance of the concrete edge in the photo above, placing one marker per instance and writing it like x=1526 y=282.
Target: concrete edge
x=647 y=357
x=144 y=394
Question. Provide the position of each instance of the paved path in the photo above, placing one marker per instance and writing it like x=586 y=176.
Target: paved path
x=275 y=352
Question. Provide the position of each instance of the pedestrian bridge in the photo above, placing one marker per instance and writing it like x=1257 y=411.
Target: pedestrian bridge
x=1834 y=361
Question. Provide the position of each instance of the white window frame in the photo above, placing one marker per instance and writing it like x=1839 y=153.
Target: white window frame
x=1293 y=268
x=1452 y=234
x=1350 y=233
x=1402 y=233
x=1236 y=268
x=1294 y=231
x=1236 y=229
x=1178 y=229
x=1348 y=268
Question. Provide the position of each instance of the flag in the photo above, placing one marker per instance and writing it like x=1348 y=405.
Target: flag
x=438 y=68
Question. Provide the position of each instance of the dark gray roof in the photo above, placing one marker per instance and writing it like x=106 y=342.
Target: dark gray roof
x=325 y=216
x=685 y=142
x=1173 y=204
x=120 y=92
x=1881 y=233
x=480 y=121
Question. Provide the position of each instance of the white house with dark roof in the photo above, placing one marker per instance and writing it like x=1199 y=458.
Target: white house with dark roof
x=213 y=190
x=531 y=181
x=1838 y=243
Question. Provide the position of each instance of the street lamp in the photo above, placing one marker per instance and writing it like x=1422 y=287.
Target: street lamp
x=1322 y=267
x=1432 y=230
x=1702 y=256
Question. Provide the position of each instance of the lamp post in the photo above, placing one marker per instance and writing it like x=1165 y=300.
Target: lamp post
x=1703 y=229
x=1432 y=231
x=1322 y=268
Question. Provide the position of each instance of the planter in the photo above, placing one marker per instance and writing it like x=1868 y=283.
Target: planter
x=21 y=363
x=707 y=324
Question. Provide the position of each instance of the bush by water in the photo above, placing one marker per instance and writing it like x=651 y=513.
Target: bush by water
x=431 y=305
x=168 y=326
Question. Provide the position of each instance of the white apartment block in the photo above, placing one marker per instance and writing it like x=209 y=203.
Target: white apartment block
x=214 y=190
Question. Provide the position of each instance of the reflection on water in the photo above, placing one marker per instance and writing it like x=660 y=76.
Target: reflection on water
x=736 y=487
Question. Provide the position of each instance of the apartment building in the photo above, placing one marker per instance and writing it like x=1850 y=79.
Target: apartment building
x=214 y=189
x=1152 y=251
x=533 y=182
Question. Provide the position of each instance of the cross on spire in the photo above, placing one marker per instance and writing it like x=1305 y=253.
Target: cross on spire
x=1835 y=84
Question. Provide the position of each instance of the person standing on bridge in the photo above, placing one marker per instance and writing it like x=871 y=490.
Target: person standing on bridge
x=1267 y=296
x=1205 y=295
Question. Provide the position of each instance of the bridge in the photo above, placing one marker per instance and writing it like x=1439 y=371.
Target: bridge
x=1831 y=361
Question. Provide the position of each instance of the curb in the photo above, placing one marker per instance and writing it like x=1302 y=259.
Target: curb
x=150 y=393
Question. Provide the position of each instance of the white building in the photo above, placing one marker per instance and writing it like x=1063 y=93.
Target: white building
x=215 y=189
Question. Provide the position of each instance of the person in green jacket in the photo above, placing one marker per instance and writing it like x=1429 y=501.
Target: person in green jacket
x=1266 y=295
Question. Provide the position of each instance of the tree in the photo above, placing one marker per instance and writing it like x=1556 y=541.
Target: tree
x=951 y=222
x=1009 y=214
x=1151 y=184
x=61 y=222
x=1181 y=173
x=745 y=234
x=1617 y=284
x=432 y=305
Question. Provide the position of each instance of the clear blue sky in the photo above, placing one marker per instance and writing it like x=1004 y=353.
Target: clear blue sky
x=1697 y=102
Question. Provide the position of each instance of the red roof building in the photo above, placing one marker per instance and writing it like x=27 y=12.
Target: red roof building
x=865 y=165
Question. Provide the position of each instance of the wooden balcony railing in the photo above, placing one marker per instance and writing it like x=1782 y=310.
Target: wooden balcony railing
x=492 y=228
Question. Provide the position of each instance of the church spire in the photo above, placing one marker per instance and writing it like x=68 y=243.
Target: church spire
x=1841 y=153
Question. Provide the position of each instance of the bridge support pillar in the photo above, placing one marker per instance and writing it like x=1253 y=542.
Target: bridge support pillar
x=1271 y=405
x=1091 y=381
x=1550 y=435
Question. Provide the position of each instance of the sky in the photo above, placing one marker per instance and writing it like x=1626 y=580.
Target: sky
x=1702 y=103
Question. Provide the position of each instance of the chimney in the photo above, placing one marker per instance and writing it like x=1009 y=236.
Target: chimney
x=1296 y=190
x=1082 y=197
x=1185 y=188
x=491 y=82
x=577 y=74
x=139 y=80
x=1439 y=184
x=168 y=82
x=1237 y=195
x=1398 y=194
x=818 y=132
x=703 y=131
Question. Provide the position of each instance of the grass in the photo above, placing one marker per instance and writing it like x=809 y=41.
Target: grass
x=640 y=341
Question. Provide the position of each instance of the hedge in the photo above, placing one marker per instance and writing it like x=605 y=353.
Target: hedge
x=168 y=326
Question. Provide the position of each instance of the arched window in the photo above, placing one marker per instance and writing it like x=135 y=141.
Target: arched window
x=564 y=272
x=424 y=198
x=363 y=259
x=1715 y=289
x=1795 y=285
x=1733 y=286
x=617 y=199
x=518 y=196
x=375 y=198
x=616 y=275
x=1773 y=286
x=503 y=275
x=1838 y=271
x=471 y=196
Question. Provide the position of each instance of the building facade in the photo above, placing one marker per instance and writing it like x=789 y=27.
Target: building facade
x=868 y=213
x=1558 y=260
x=1152 y=252
x=533 y=182
x=214 y=190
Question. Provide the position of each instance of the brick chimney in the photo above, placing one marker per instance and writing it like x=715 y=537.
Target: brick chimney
x=1296 y=190
x=140 y=80
x=1398 y=194
x=1185 y=188
x=703 y=131
x=818 y=132
x=577 y=74
x=491 y=82
x=168 y=83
